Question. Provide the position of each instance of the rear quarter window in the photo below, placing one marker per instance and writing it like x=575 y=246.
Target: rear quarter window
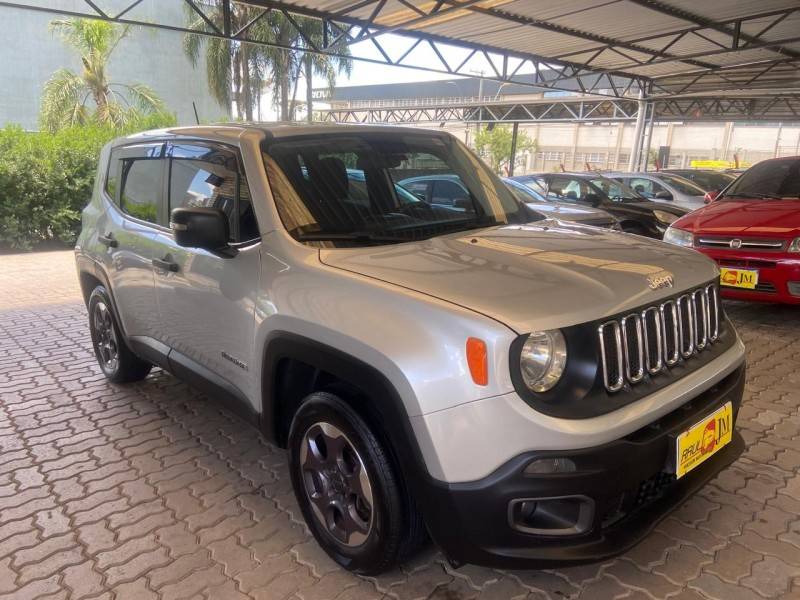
x=112 y=177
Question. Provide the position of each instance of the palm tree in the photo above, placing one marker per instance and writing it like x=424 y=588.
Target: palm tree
x=238 y=71
x=66 y=96
x=235 y=72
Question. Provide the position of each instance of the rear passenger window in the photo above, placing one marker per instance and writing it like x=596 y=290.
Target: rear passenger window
x=213 y=181
x=141 y=188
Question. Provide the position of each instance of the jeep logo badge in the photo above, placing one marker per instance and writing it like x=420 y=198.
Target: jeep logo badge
x=736 y=243
x=662 y=279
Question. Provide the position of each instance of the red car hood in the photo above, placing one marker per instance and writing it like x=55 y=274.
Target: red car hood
x=763 y=218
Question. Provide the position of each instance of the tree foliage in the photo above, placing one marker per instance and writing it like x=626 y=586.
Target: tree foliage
x=495 y=144
x=46 y=179
x=239 y=72
x=67 y=95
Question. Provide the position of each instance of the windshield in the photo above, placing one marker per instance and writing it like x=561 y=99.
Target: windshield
x=365 y=188
x=707 y=180
x=523 y=193
x=769 y=179
x=684 y=186
x=614 y=189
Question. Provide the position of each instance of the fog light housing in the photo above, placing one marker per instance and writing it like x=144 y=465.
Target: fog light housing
x=565 y=515
x=545 y=466
x=794 y=288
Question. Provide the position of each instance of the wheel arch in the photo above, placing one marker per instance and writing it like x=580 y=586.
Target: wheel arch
x=295 y=366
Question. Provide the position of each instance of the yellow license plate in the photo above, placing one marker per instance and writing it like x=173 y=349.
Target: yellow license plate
x=740 y=278
x=703 y=440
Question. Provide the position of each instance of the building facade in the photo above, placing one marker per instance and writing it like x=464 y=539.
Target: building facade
x=30 y=54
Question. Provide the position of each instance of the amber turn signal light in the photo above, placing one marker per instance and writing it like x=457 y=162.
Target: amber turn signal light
x=478 y=361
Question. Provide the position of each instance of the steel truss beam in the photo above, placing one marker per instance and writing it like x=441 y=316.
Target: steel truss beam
x=580 y=110
x=342 y=30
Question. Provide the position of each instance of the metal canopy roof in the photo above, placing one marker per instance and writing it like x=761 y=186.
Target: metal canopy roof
x=606 y=47
x=678 y=46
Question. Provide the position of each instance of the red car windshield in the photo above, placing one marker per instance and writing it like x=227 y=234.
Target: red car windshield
x=769 y=179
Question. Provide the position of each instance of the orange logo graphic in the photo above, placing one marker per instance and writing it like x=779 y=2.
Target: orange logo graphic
x=709 y=438
x=730 y=277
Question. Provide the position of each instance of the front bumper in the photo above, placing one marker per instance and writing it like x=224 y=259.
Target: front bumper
x=775 y=272
x=627 y=481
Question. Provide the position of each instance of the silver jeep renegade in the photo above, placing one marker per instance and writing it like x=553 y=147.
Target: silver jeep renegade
x=525 y=392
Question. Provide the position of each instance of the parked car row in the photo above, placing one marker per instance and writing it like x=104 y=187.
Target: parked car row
x=752 y=230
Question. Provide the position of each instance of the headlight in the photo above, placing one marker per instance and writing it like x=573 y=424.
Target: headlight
x=665 y=217
x=679 y=237
x=794 y=246
x=542 y=360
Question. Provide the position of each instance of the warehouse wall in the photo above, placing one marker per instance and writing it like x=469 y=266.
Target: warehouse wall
x=607 y=146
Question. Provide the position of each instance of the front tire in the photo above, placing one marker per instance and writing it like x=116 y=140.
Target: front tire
x=347 y=487
x=116 y=360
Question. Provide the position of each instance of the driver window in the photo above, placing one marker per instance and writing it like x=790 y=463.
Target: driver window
x=446 y=192
x=566 y=189
x=643 y=187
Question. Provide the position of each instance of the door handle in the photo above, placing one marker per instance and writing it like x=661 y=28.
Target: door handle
x=108 y=240
x=167 y=265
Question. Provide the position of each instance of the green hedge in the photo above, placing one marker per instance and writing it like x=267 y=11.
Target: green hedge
x=46 y=180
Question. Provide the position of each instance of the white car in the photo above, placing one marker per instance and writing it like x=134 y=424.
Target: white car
x=664 y=187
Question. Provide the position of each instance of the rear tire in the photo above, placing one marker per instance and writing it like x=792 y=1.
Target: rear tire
x=348 y=489
x=116 y=360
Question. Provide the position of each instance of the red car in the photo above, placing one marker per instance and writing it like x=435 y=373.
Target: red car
x=752 y=231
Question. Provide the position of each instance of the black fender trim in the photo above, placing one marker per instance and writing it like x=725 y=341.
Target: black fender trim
x=384 y=407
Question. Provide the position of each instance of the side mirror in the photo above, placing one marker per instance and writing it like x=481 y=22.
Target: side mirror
x=662 y=195
x=205 y=228
x=710 y=196
x=592 y=199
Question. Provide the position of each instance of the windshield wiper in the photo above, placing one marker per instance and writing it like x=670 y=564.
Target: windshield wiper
x=360 y=237
x=753 y=195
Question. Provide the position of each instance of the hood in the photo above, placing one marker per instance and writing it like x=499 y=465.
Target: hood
x=536 y=276
x=568 y=212
x=763 y=218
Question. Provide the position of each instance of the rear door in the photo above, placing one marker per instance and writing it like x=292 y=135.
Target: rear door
x=206 y=300
x=133 y=191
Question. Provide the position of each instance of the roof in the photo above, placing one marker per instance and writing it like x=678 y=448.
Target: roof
x=670 y=46
x=230 y=132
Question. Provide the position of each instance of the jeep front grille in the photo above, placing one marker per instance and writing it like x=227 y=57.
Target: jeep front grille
x=658 y=337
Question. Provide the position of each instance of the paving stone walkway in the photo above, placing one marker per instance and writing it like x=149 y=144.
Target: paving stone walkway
x=148 y=491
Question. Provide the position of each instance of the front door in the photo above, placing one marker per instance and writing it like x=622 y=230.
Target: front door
x=206 y=301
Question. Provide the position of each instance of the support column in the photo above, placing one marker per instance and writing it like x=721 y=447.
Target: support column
x=638 y=132
x=778 y=141
x=514 y=132
x=645 y=155
x=726 y=140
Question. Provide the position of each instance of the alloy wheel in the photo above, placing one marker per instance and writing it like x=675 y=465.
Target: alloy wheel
x=105 y=337
x=337 y=484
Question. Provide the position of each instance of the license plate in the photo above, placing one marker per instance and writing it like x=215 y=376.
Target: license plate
x=740 y=278
x=703 y=440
